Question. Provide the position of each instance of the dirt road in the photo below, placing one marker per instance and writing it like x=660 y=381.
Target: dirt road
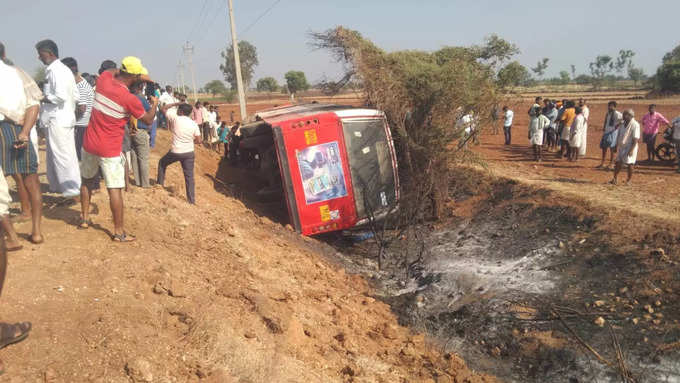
x=211 y=292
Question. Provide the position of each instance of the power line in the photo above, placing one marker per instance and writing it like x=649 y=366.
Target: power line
x=219 y=11
x=259 y=17
x=198 y=21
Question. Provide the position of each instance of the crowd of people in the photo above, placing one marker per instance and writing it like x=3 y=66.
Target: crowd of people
x=562 y=127
x=95 y=127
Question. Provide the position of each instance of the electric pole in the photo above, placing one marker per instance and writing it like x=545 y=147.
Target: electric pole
x=188 y=53
x=237 y=64
x=180 y=67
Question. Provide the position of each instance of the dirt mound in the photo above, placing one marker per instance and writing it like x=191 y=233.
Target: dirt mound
x=212 y=292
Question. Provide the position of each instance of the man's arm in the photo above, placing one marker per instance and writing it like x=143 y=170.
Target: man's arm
x=30 y=118
x=168 y=106
x=150 y=114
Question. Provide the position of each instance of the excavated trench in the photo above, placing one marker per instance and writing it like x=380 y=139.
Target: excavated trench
x=512 y=289
x=513 y=286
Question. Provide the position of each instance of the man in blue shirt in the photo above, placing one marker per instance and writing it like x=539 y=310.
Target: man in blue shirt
x=141 y=143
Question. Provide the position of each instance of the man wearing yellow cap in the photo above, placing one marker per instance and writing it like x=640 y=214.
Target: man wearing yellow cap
x=103 y=140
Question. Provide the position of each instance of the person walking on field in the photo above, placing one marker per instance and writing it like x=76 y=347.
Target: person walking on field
x=113 y=104
x=538 y=123
x=59 y=119
x=577 y=130
x=584 y=137
x=627 y=146
x=567 y=121
x=609 y=138
x=650 y=123
x=185 y=133
x=508 y=116
x=19 y=107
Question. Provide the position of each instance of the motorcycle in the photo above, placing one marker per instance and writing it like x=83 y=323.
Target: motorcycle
x=667 y=151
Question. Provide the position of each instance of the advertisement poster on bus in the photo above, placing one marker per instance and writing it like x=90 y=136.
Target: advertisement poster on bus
x=321 y=169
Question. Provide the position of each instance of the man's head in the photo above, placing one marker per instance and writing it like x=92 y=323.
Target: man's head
x=652 y=108
x=578 y=110
x=137 y=87
x=71 y=63
x=538 y=99
x=197 y=104
x=107 y=65
x=131 y=70
x=205 y=104
x=505 y=108
x=628 y=115
x=168 y=89
x=184 y=110
x=47 y=51
x=611 y=106
x=581 y=102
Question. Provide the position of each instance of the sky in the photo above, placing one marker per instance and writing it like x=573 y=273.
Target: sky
x=565 y=32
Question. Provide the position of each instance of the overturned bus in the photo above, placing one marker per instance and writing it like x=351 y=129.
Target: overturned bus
x=334 y=165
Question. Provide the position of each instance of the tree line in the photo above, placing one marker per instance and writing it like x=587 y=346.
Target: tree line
x=605 y=70
x=295 y=81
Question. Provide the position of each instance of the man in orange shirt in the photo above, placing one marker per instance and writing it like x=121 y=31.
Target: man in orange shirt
x=567 y=119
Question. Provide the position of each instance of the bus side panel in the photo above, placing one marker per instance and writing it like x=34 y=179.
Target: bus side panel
x=319 y=173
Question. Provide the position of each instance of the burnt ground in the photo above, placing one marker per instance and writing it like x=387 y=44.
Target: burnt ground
x=522 y=281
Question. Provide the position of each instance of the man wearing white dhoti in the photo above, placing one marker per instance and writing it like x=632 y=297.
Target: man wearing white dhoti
x=59 y=119
x=584 y=136
x=627 y=145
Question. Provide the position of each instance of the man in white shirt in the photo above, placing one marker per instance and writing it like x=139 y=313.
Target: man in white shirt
x=166 y=98
x=185 y=133
x=627 y=145
x=508 y=116
x=59 y=119
x=19 y=106
x=584 y=137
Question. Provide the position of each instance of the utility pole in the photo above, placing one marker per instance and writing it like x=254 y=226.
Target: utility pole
x=188 y=53
x=180 y=68
x=237 y=64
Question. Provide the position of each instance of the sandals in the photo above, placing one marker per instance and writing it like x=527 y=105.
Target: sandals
x=122 y=238
x=8 y=333
x=84 y=224
x=15 y=248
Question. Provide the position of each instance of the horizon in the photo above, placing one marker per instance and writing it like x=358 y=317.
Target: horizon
x=282 y=45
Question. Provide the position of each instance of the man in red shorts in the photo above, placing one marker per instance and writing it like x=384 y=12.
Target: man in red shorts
x=103 y=140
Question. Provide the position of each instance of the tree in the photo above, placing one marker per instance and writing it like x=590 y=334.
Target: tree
x=624 y=61
x=668 y=74
x=215 y=87
x=423 y=95
x=564 y=77
x=296 y=81
x=39 y=74
x=248 y=56
x=573 y=71
x=540 y=67
x=267 y=84
x=600 y=68
x=513 y=74
x=636 y=74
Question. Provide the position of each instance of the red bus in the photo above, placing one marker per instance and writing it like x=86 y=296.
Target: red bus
x=335 y=165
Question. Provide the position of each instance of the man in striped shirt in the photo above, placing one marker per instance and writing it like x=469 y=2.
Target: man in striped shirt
x=103 y=140
x=84 y=105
